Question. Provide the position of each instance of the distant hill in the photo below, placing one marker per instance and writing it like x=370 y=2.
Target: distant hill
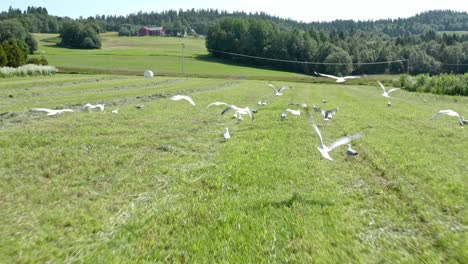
x=37 y=20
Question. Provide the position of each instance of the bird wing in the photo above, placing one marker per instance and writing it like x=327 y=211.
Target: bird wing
x=183 y=97
x=273 y=87
x=65 y=110
x=446 y=112
x=189 y=100
x=217 y=103
x=381 y=85
x=343 y=140
x=351 y=77
x=283 y=88
x=227 y=109
x=250 y=113
x=319 y=134
x=327 y=75
x=394 y=89
x=43 y=110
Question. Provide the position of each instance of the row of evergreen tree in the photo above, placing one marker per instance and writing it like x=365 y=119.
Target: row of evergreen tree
x=38 y=20
x=337 y=52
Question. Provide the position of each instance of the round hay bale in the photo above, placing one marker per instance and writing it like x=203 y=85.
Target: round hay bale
x=148 y=74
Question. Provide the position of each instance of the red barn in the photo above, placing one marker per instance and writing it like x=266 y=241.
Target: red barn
x=151 y=31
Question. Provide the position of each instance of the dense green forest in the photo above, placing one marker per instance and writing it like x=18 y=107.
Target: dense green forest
x=337 y=51
x=431 y=42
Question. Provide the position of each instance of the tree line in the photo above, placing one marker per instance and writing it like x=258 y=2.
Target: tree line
x=337 y=51
x=426 y=41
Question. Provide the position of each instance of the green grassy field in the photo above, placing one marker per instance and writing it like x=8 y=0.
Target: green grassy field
x=161 y=185
x=163 y=55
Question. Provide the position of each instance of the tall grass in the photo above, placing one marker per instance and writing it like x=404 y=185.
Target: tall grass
x=27 y=70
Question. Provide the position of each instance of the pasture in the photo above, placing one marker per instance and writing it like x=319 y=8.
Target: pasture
x=133 y=55
x=160 y=184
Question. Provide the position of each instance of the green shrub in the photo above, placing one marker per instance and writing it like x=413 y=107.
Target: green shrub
x=449 y=84
x=3 y=57
x=15 y=55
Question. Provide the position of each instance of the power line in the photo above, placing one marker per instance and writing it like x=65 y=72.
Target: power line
x=305 y=62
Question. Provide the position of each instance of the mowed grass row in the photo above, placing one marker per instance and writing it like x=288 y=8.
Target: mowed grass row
x=161 y=184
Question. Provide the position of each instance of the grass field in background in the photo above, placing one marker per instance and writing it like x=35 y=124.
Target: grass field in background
x=162 y=55
x=161 y=185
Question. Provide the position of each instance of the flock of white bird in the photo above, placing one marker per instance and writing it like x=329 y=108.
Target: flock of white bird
x=239 y=112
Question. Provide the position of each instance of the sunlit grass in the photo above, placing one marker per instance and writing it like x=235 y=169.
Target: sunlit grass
x=161 y=185
x=162 y=55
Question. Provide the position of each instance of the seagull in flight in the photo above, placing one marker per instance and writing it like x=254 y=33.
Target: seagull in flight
x=51 y=112
x=324 y=150
x=279 y=91
x=461 y=119
x=385 y=93
x=238 y=112
x=183 y=97
x=91 y=106
x=338 y=79
x=226 y=134
x=327 y=115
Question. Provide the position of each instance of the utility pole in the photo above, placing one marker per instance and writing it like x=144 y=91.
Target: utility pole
x=183 y=47
x=407 y=66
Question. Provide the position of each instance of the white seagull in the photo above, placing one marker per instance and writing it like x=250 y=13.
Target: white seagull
x=385 y=93
x=279 y=91
x=51 y=112
x=238 y=112
x=294 y=112
x=461 y=119
x=139 y=106
x=350 y=151
x=116 y=111
x=183 y=97
x=389 y=103
x=338 y=79
x=327 y=115
x=262 y=102
x=91 y=106
x=324 y=150
x=226 y=134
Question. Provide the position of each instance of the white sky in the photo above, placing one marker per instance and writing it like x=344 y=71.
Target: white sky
x=301 y=10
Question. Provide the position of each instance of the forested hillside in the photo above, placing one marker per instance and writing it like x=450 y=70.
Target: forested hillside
x=430 y=42
x=37 y=20
x=349 y=47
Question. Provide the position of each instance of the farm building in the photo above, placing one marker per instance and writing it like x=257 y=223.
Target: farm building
x=151 y=31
